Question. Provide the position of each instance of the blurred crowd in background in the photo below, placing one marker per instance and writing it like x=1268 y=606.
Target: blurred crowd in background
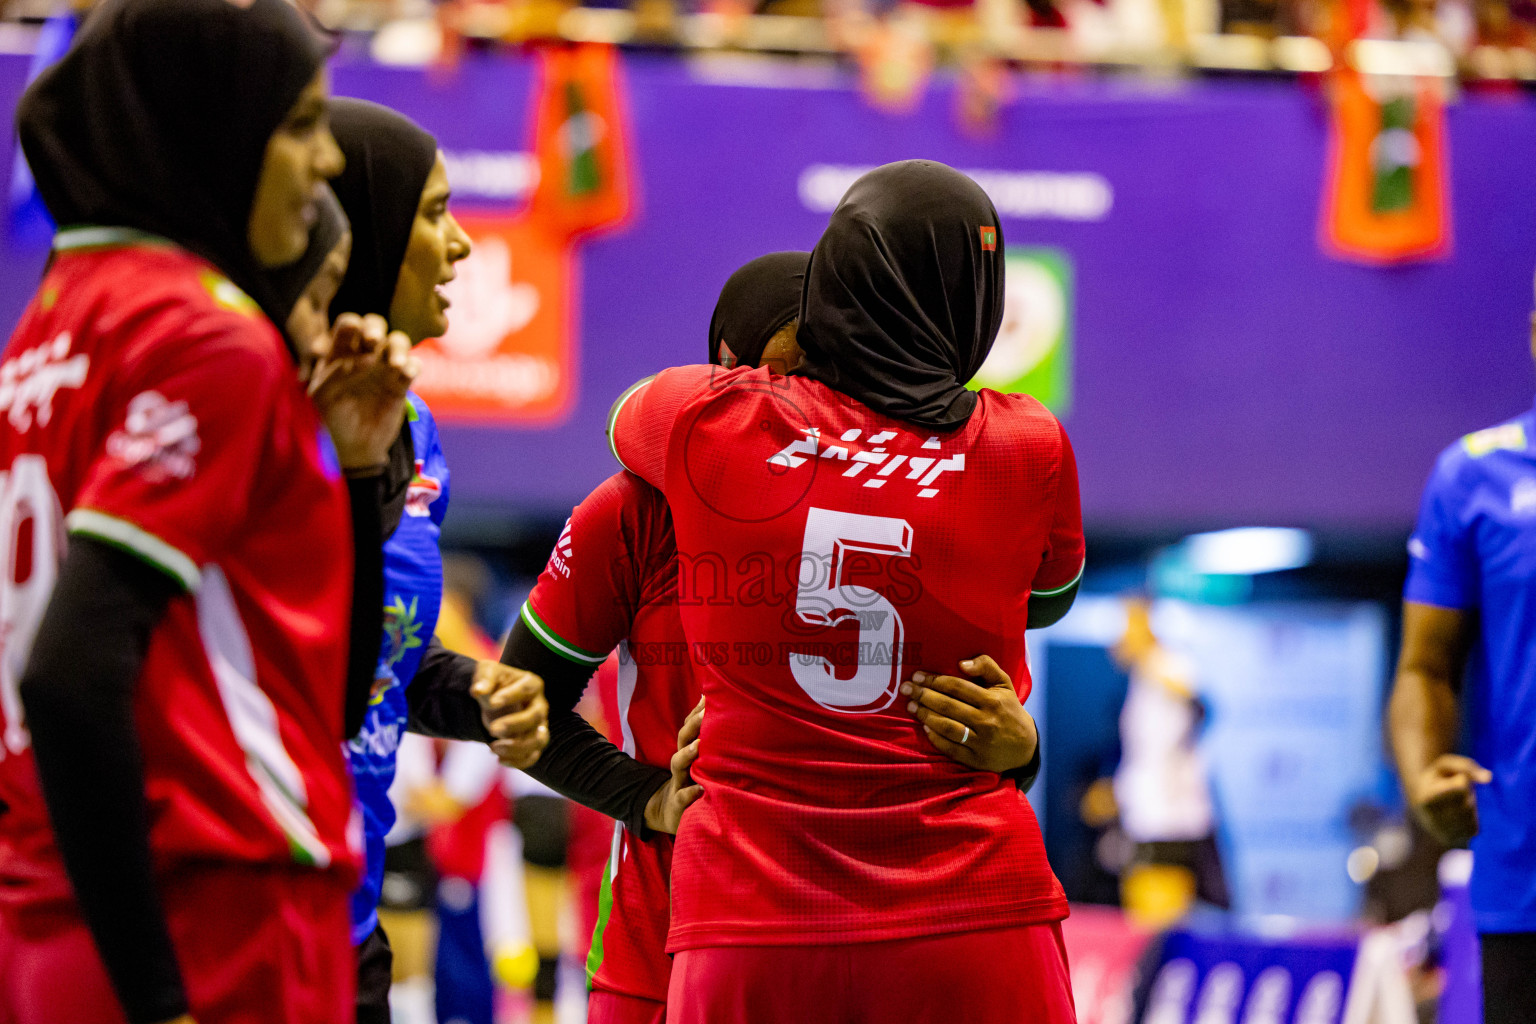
x=898 y=43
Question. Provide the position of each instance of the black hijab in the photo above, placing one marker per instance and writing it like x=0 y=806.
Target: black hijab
x=904 y=293
x=757 y=300
x=388 y=159
x=289 y=283
x=158 y=119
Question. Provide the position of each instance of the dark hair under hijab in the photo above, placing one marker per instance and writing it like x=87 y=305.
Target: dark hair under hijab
x=158 y=119
x=290 y=282
x=904 y=293
x=388 y=159
x=756 y=302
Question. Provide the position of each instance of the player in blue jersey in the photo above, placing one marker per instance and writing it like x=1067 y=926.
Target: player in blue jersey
x=1471 y=598
x=404 y=247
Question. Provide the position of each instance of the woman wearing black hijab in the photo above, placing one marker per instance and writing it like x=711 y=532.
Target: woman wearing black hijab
x=405 y=245
x=756 y=316
x=173 y=806
x=833 y=843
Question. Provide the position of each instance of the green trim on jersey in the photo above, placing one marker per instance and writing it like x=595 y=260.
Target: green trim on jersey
x=555 y=642
x=92 y=237
x=613 y=415
x=88 y=522
x=604 y=913
x=1064 y=587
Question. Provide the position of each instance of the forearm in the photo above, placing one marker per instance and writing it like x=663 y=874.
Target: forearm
x=1424 y=720
x=77 y=690
x=580 y=763
x=1424 y=712
x=366 y=628
x=439 y=698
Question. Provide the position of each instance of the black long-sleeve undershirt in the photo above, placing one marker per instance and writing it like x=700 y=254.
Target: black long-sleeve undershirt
x=365 y=631
x=77 y=691
x=581 y=763
x=438 y=697
x=78 y=694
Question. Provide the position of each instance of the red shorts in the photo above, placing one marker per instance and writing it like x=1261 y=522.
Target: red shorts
x=613 y=1008
x=256 y=946
x=1002 y=976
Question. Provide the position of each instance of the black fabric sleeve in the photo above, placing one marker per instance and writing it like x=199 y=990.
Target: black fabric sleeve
x=439 y=700
x=399 y=471
x=366 y=631
x=581 y=763
x=1047 y=611
x=77 y=691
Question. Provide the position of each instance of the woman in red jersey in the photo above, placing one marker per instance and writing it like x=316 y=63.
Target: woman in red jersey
x=175 y=839
x=838 y=867
x=614 y=578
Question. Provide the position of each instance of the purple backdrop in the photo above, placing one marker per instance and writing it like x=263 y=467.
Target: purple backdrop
x=1226 y=371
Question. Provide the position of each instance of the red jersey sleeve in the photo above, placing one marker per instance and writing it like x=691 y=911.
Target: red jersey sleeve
x=1062 y=564
x=189 y=415
x=641 y=422
x=588 y=594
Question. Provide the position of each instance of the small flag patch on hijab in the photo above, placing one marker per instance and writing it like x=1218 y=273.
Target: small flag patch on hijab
x=989 y=239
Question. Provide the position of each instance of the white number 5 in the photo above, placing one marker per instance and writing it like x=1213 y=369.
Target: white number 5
x=32 y=543
x=823 y=599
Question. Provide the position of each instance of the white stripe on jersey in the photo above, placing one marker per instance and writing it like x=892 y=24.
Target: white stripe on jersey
x=253 y=718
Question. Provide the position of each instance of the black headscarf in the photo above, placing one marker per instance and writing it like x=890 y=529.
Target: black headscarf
x=388 y=159
x=759 y=299
x=288 y=283
x=158 y=119
x=904 y=294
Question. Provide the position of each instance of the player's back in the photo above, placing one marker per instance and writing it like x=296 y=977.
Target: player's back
x=145 y=402
x=825 y=553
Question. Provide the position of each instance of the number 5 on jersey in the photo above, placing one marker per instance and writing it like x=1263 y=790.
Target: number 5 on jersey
x=824 y=599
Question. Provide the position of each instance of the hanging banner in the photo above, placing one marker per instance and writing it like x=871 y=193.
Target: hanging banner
x=1385 y=200
x=510 y=354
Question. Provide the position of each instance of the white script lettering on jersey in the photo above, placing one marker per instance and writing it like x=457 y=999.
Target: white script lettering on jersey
x=158 y=437
x=923 y=469
x=29 y=381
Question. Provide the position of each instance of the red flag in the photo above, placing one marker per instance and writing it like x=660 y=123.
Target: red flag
x=510 y=354
x=1386 y=199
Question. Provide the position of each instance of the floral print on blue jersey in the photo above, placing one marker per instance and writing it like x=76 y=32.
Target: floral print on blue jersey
x=413 y=586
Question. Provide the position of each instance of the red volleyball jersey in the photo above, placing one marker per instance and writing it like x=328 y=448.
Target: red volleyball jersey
x=611 y=582
x=146 y=402
x=825 y=552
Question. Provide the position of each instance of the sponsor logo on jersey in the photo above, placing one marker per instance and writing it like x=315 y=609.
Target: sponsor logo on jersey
x=560 y=558
x=158 y=438
x=421 y=493
x=1418 y=549
x=871 y=460
x=1505 y=437
x=29 y=381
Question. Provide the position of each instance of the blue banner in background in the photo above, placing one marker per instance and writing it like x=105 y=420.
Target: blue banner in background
x=1221 y=368
x=1224 y=978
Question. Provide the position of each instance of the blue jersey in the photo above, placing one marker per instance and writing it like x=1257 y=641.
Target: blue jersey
x=1475 y=550
x=413 y=593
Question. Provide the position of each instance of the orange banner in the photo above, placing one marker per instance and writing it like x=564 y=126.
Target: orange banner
x=511 y=353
